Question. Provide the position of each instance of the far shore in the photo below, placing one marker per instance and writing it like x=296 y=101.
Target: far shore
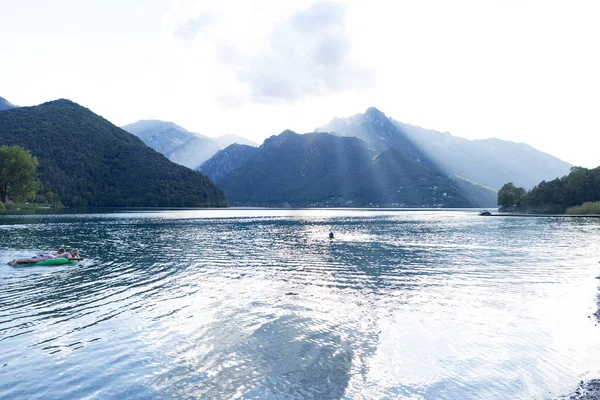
x=501 y=214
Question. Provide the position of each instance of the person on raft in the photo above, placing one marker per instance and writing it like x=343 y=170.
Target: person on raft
x=61 y=253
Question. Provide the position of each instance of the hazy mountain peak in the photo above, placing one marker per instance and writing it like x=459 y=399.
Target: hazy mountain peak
x=152 y=126
x=176 y=143
x=375 y=128
x=374 y=113
x=5 y=104
x=229 y=139
x=180 y=145
x=277 y=140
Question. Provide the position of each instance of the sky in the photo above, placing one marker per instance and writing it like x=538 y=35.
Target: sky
x=525 y=71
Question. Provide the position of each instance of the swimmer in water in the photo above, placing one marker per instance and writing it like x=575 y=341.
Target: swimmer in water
x=330 y=235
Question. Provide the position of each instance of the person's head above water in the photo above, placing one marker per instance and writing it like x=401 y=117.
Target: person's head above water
x=330 y=235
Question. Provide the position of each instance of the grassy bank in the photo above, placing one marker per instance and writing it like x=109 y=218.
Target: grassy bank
x=26 y=207
x=585 y=208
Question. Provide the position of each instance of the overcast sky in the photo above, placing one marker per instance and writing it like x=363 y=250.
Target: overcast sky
x=526 y=71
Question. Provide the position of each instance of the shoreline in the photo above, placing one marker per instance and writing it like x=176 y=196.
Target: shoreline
x=588 y=390
x=542 y=215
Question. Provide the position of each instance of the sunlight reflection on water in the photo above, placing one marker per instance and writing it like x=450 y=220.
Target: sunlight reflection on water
x=261 y=304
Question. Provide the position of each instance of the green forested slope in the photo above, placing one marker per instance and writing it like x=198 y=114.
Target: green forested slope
x=320 y=169
x=88 y=161
x=227 y=161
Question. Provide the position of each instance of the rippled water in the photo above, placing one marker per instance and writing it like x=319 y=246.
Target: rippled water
x=260 y=304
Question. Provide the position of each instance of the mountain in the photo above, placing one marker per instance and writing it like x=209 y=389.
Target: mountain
x=320 y=169
x=179 y=145
x=88 y=161
x=490 y=162
x=229 y=139
x=176 y=143
x=375 y=128
x=5 y=104
x=227 y=161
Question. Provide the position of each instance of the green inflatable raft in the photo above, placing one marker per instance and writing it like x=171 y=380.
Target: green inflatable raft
x=53 y=261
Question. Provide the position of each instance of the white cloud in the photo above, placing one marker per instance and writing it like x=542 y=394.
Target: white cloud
x=193 y=26
x=297 y=56
x=518 y=70
x=306 y=55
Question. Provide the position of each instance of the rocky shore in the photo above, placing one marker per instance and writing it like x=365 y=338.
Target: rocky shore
x=589 y=390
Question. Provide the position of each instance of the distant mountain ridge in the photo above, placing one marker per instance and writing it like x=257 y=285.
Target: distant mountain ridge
x=229 y=139
x=88 y=161
x=176 y=143
x=5 y=104
x=489 y=162
x=320 y=169
x=180 y=145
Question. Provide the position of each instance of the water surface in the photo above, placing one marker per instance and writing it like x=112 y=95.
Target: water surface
x=260 y=304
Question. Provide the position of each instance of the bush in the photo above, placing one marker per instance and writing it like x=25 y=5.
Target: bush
x=2 y=207
x=41 y=199
x=585 y=209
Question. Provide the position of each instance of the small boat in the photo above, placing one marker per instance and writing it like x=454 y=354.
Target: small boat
x=485 y=213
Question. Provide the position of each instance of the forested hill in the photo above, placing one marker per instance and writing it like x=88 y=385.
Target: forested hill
x=227 y=161
x=319 y=169
x=88 y=161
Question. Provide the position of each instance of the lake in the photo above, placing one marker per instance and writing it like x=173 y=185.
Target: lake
x=261 y=304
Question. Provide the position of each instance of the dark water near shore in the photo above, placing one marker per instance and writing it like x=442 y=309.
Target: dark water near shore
x=260 y=304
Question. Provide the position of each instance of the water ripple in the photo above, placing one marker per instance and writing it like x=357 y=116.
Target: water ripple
x=260 y=304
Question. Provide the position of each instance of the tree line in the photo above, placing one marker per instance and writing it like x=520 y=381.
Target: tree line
x=582 y=185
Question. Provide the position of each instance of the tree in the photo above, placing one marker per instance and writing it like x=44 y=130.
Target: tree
x=509 y=195
x=18 y=176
